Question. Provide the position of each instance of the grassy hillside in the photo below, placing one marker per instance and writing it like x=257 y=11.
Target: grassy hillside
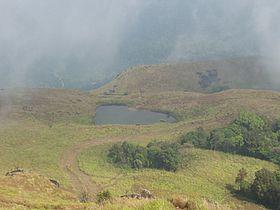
x=189 y=106
x=49 y=131
x=204 y=174
x=33 y=191
x=249 y=72
x=46 y=104
x=37 y=147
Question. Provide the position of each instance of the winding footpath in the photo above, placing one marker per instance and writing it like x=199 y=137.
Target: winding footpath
x=80 y=182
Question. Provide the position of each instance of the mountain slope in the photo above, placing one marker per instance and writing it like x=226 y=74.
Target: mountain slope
x=46 y=104
x=34 y=191
x=203 y=76
x=204 y=174
x=74 y=49
x=28 y=142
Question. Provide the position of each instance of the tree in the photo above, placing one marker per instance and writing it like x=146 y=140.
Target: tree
x=116 y=154
x=276 y=126
x=161 y=155
x=129 y=154
x=275 y=155
x=266 y=187
x=197 y=138
x=164 y=155
x=138 y=164
x=170 y=160
x=216 y=139
x=240 y=180
x=233 y=138
x=250 y=121
x=249 y=134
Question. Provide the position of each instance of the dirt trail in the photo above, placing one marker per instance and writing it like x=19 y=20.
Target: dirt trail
x=81 y=182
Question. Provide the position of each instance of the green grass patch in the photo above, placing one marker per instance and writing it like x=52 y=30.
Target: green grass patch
x=35 y=146
x=204 y=174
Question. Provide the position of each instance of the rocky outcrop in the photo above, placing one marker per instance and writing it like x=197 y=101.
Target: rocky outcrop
x=144 y=194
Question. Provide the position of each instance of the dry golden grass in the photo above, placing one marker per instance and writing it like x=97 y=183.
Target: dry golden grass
x=33 y=191
x=247 y=72
x=46 y=104
x=219 y=108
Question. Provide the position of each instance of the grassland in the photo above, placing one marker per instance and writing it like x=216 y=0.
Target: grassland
x=204 y=175
x=36 y=147
x=241 y=73
x=41 y=128
x=34 y=191
x=48 y=105
x=218 y=107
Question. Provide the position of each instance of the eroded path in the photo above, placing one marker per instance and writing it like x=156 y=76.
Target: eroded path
x=81 y=182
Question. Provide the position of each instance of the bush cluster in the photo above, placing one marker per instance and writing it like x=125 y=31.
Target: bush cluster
x=265 y=188
x=104 y=196
x=160 y=155
x=249 y=135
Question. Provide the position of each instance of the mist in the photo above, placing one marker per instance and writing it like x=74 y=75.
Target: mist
x=70 y=43
x=53 y=39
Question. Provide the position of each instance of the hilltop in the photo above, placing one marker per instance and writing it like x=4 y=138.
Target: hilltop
x=200 y=76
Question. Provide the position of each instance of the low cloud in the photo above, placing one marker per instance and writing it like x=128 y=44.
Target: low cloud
x=52 y=43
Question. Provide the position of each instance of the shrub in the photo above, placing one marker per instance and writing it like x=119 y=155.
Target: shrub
x=276 y=126
x=241 y=176
x=218 y=88
x=84 y=197
x=242 y=183
x=104 y=196
x=265 y=188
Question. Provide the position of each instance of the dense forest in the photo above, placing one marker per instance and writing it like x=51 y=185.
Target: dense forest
x=160 y=155
x=249 y=135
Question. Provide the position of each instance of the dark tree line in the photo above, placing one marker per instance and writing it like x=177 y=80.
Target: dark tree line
x=249 y=135
x=210 y=80
x=160 y=155
x=265 y=188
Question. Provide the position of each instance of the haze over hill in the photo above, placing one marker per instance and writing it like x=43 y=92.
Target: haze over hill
x=198 y=76
x=205 y=73
x=80 y=43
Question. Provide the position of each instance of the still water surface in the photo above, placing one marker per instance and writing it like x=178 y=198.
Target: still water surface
x=118 y=114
